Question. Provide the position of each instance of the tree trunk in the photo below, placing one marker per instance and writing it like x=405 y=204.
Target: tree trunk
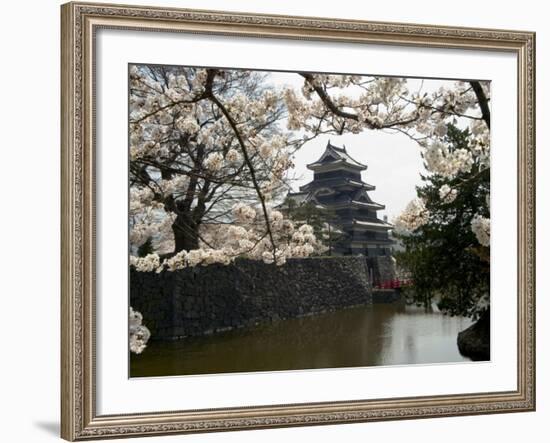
x=475 y=341
x=186 y=233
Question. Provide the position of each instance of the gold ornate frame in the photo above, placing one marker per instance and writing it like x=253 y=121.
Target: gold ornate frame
x=79 y=420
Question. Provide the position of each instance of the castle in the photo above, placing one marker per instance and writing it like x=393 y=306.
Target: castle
x=337 y=186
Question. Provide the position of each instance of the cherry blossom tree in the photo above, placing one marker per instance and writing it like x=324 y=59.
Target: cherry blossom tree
x=207 y=150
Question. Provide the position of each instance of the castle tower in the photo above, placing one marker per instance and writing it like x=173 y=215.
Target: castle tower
x=337 y=185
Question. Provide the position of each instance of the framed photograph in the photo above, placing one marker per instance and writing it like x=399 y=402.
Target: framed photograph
x=283 y=221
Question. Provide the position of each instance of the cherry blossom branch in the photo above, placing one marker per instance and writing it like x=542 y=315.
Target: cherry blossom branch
x=436 y=109
x=162 y=108
x=325 y=98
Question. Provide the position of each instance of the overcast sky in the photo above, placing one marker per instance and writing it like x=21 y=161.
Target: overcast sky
x=393 y=160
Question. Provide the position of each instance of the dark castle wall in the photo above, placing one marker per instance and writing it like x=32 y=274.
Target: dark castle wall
x=204 y=300
x=337 y=174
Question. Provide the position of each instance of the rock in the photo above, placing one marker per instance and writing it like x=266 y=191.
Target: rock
x=475 y=341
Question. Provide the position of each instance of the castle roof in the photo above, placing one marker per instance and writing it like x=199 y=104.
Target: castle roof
x=337 y=183
x=335 y=155
x=372 y=224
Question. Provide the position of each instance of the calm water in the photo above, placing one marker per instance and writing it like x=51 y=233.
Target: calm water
x=366 y=336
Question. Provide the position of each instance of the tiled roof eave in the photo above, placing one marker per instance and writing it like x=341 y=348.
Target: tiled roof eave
x=330 y=165
x=339 y=184
x=381 y=225
x=369 y=205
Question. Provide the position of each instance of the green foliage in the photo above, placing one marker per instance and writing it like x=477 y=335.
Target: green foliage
x=308 y=213
x=322 y=219
x=444 y=257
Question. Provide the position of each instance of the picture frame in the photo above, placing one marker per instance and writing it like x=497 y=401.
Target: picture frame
x=80 y=419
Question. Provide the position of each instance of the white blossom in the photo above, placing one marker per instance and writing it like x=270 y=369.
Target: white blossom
x=177 y=184
x=187 y=125
x=306 y=229
x=266 y=150
x=279 y=259
x=214 y=161
x=440 y=130
x=150 y=222
x=195 y=257
x=479 y=144
x=481 y=227
x=302 y=250
x=276 y=219
x=232 y=156
x=145 y=264
x=298 y=237
x=446 y=194
x=244 y=213
x=440 y=160
x=138 y=333
x=245 y=245
x=413 y=217
x=178 y=261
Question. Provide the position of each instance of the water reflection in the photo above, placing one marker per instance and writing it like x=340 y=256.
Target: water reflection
x=364 y=336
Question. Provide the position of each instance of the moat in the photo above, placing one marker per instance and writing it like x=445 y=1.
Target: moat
x=376 y=335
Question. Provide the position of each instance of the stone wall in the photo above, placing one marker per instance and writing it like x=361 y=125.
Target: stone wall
x=204 y=300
